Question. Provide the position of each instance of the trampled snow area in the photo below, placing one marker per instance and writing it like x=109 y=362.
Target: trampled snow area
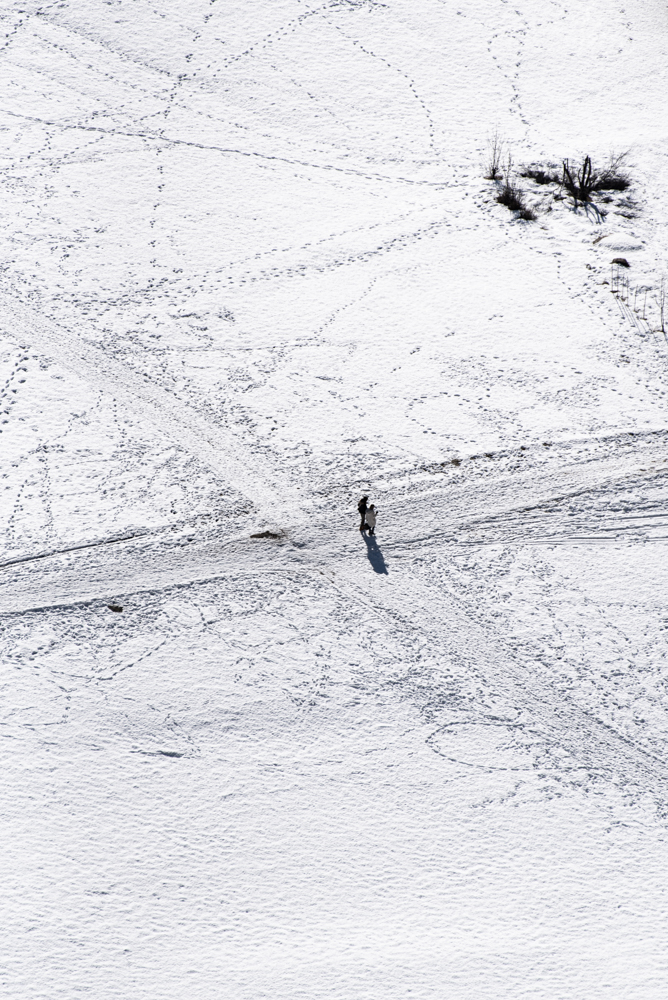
x=252 y=269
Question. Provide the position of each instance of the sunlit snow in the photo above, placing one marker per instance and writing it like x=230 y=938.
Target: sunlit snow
x=251 y=270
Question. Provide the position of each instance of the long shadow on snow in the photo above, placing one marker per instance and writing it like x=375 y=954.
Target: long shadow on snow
x=374 y=555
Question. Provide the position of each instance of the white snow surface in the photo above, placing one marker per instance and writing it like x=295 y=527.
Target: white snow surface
x=251 y=269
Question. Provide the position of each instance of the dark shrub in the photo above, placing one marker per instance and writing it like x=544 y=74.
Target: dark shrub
x=541 y=176
x=582 y=181
x=579 y=181
x=511 y=196
x=494 y=159
x=618 y=183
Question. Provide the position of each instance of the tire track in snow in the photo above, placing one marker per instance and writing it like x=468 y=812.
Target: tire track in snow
x=565 y=517
x=519 y=500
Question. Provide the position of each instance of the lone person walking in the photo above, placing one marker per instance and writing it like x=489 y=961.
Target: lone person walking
x=361 y=506
x=370 y=518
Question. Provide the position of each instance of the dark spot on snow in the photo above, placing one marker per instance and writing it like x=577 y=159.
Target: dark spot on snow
x=622 y=261
x=114 y=607
x=267 y=534
x=170 y=753
x=456 y=461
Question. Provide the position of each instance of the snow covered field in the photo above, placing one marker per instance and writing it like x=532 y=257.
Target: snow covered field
x=251 y=268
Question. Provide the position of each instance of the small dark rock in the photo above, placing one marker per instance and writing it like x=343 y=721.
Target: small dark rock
x=267 y=534
x=114 y=607
x=622 y=261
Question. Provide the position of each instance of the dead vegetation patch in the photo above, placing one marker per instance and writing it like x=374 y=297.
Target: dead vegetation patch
x=580 y=180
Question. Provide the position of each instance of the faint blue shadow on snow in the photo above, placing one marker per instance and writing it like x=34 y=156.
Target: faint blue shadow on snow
x=592 y=213
x=374 y=555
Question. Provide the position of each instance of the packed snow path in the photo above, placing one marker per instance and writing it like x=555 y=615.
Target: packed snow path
x=251 y=270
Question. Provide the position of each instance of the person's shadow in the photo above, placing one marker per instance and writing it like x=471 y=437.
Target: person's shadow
x=374 y=555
